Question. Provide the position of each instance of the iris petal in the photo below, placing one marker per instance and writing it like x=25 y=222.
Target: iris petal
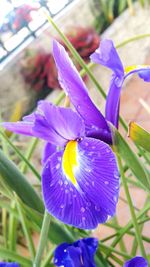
x=142 y=70
x=78 y=254
x=9 y=264
x=98 y=175
x=49 y=149
x=54 y=124
x=113 y=101
x=95 y=194
x=107 y=56
x=74 y=86
x=136 y=262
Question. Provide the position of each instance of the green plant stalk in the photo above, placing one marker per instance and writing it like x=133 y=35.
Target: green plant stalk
x=6 y=254
x=132 y=39
x=121 y=243
x=129 y=232
x=120 y=253
x=12 y=229
x=135 y=243
x=128 y=226
x=133 y=215
x=28 y=154
x=43 y=238
x=21 y=156
x=25 y=227
x=48 y=257
x=4 y=225
x=116 y=259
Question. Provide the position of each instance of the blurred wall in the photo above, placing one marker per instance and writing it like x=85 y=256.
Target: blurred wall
x=12 y=87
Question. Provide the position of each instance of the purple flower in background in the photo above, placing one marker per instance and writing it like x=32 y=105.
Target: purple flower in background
x=9 y=264
x=107 y=55
x=78 y=254
x=136 y=262
x=80 y=179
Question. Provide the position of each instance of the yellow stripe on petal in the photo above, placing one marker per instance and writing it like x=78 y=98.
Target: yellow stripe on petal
x=69 y=161
x=134 y=67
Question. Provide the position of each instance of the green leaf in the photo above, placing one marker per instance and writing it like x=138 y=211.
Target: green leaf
x=18 y=183
x=6 y=254
x=139 y=136
x=122 y=148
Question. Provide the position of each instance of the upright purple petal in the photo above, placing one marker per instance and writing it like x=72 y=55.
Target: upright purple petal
x=136 y=262
x=113 y=101
x=81 y=185
x=107 y=56
x=53 y=124
x=74 y=86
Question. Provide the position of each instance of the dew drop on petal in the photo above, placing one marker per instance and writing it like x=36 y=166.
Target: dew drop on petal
x=106 y=182
x=66 y=191
x=62 y=206
x=82 y=209
x=97 y=208
x=116 y=175
x=57 y=166
x=93 y=183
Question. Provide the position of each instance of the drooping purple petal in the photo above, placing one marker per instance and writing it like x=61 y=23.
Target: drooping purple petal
x=98 y=173
x=78 y=254
x=49 y=149
x=74 y=86
x=107 y=56
x=136 y=262
x=92 y=195
x=54 y=124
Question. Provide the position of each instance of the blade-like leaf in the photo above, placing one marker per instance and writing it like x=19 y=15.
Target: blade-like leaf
x=139 y=136
x=18 y=183
x=6 y=254
x=126 y=153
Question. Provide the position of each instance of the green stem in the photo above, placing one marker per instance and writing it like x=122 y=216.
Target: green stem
x=26 y=230
x=12 y=237
x=6 y=254
x=48 y=257
x=121 y=243
x=134 y=219
x=28 y=154
x=135 y=38
x=43 y=238
x=4 y=225
x=21 y=156
x=106 y=248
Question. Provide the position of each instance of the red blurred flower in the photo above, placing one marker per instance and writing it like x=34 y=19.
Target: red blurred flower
x=84 y=40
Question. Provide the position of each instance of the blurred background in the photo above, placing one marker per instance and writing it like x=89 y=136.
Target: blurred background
x=28 y=73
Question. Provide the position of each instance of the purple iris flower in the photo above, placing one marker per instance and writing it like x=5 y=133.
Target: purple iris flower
x=78 y=254
x=107 y=55
x=80 y=179
x=9 y=264
x=136 y=262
